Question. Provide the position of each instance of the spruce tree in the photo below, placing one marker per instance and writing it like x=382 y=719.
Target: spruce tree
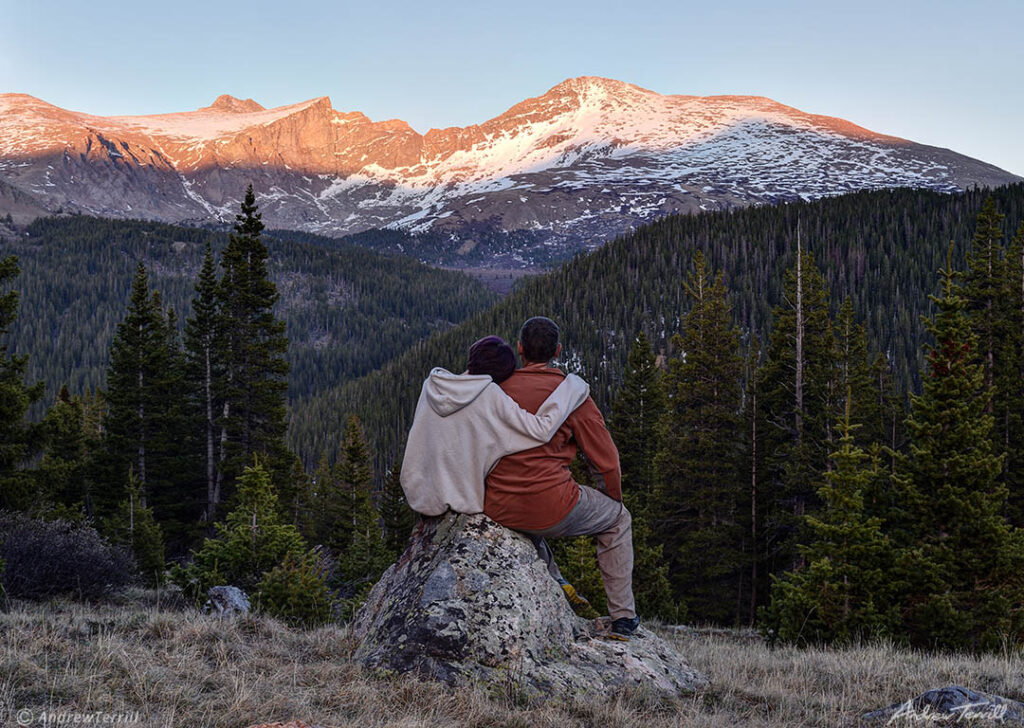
x=202 y=371
x=19 y=439
x=396 y=516
x=134 y=526
x=353 y=473
x=698 y=495
x=964 y=583
x=139 y=359
x=639 y=405
x=857 y=379
x=844 y=591
x=252 y=348
x=62 y=470
x=252 y=540
x=797 y=388
x=1009 y=410
x=982 y=287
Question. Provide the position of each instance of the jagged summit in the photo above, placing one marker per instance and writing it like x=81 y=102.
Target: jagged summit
x=226 y=102
x=584 y=161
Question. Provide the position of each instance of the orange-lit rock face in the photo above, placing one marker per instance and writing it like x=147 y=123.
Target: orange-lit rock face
x=588 y=158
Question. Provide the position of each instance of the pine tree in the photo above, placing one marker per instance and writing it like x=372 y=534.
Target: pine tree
x=1009 y=410
x=396 y=515
x=252 y=540
x=139 y=359
x=367 y=556
x=857 y=379
x=639 y=405
x=135 y=527
x=19 y=440
x=174 y=483
x=982 y=287
x=964 y=584
x=844 y=592
x=353 y=473
x=698 y=493
x=797 y=388
x=62 y=470
x=202 y=371
x=252 y=350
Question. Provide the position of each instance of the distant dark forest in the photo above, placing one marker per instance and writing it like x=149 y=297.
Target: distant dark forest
x=348 y=310
x=882 y=249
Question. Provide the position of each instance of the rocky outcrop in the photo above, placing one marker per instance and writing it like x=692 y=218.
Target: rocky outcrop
x=226 y=601
x=950 y=705
x=470 y=603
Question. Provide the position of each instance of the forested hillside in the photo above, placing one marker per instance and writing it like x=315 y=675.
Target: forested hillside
x=881 y=249
x=347 y=309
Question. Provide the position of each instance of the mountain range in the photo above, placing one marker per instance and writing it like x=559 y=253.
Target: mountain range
x=587 y=160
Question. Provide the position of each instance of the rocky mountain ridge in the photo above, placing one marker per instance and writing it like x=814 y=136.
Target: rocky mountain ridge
x=590 y=158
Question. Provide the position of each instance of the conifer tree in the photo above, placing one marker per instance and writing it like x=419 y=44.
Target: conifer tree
x=856 y=377
x=202 y=371
x=19 y=440
x=367 y=556
x=964 y=584
x=1010 y=378
x=353 y=472
x=251 y=348
x=982 y=287
x=174 y=483
x=797 y=386
x=252 y=540
x=133 y=526
x=62 y=470
x=139 y=359
x=844 y=591
x=699 y=486
x=639 y=405
x=397 y=517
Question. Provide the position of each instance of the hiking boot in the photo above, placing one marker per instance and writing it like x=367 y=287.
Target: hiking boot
x=625 y=628
x=578 y=603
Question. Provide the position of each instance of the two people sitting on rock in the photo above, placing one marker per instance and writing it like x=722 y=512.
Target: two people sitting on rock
x=517 y=430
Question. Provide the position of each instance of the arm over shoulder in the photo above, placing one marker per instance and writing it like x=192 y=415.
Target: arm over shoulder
x=526 y=430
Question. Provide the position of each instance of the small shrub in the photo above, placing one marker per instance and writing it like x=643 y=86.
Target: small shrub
x=295 y=592
x=51 y=558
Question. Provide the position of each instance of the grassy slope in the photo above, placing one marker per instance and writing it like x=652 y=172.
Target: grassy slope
x=178 y=667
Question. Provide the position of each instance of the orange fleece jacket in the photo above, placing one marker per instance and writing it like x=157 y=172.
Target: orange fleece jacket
x=534 y=489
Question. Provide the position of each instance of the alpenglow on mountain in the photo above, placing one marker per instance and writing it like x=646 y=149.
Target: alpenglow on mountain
x=590 y=158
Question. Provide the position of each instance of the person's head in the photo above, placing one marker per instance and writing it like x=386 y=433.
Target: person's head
x=538 y=340
x=491 y=355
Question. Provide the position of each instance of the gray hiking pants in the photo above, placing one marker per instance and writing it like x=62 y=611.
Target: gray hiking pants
x=610 y=523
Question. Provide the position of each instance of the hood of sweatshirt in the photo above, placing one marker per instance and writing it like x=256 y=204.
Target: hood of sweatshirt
x=447 y=393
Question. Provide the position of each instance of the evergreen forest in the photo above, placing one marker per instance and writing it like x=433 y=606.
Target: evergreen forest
x=818 y=409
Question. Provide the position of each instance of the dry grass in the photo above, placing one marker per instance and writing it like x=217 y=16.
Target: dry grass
x=177 y=667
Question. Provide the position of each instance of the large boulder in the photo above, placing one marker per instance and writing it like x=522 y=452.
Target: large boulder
x=226 y=601
x=469 y=602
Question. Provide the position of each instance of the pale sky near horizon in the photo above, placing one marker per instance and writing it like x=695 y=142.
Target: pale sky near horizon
x=950 y=74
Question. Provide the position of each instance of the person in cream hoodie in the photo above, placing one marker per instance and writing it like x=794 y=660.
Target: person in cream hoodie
x=465 y=423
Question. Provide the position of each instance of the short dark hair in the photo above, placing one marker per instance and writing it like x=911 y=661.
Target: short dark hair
x=491 y=355
x=539 y=337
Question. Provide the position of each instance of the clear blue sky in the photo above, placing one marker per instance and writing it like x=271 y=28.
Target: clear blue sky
x=949 y=74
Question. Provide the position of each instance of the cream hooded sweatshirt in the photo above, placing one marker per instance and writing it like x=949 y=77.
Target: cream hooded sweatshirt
x=464 y=424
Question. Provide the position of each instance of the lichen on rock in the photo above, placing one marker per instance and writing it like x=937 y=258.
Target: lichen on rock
x=469 y=602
